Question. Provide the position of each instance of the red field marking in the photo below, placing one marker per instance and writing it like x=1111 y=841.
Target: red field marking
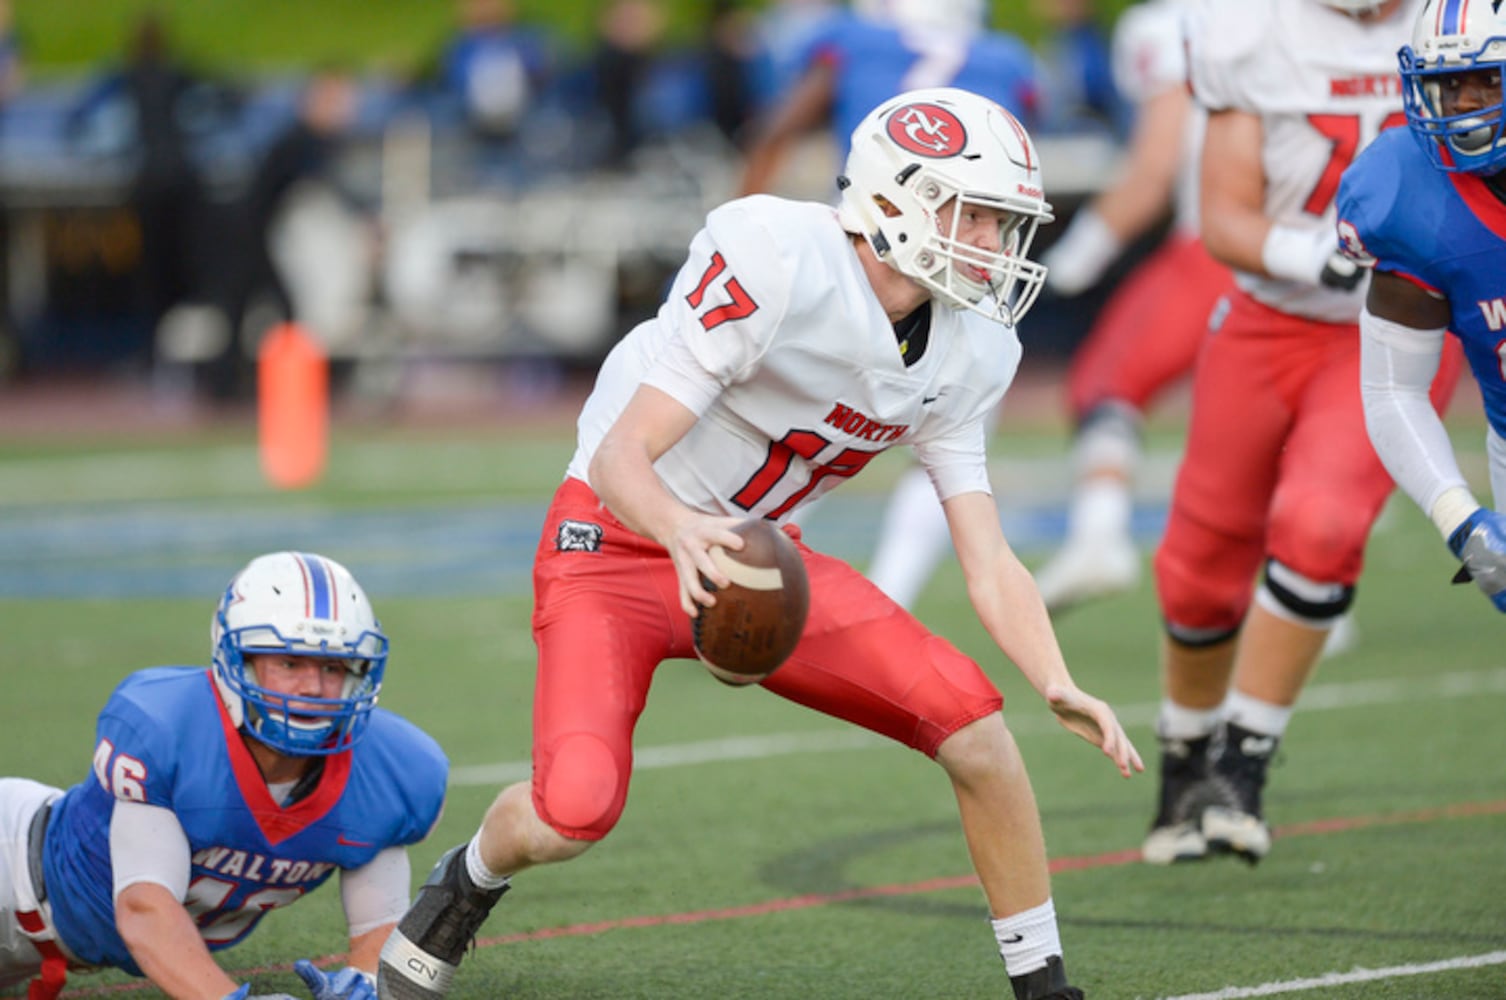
x=1111 y=859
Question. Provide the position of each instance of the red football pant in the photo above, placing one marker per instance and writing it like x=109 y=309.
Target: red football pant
x=1278 y=464
x=607 y=613
x=1149 y=333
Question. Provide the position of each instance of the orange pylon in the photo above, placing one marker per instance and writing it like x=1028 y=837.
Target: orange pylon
x=292 y=389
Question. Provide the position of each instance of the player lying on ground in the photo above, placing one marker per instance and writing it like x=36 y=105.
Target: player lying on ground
x=219 y=794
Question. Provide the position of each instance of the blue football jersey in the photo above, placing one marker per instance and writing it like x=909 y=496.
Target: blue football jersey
x=165 y=738
x=1446 y=232
x=875 y=61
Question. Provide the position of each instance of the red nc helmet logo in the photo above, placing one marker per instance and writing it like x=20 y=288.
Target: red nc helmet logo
x=927 y=130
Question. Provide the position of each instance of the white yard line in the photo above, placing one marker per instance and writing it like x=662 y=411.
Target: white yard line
x=1357 y=975
x=1318 y=698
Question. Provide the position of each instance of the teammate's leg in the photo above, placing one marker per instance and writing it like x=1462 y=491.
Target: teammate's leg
x=1145 y=340
x=1213 y=546
x=913 y=539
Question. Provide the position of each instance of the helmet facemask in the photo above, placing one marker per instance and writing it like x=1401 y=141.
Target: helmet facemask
x=999 y=283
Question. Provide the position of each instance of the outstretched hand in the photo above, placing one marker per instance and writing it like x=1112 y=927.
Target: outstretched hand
x=348 y=984
x=1093 y=720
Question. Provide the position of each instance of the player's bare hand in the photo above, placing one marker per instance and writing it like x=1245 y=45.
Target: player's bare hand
x=690 y=546
x=1093 y=720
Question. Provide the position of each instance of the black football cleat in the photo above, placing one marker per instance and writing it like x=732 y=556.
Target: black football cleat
x=420 y=957
x=1233 y=822
x=1176 y=833
x=1046 y=983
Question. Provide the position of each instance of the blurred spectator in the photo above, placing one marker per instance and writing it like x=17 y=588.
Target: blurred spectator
x=866 y=56
x=247 y=275
x=1077 y=77
x=629 y=36
x=731 y=54
x=494 y=66
x=786 y=29
x=10 y=83
x=160 y=97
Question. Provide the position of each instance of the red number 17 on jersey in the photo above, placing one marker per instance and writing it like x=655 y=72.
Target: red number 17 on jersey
x=741 y=306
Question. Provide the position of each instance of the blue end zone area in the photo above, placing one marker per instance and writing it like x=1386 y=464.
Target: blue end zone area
x=156 y=550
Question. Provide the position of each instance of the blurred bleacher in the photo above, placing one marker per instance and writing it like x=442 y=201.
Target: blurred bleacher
x=438 y=246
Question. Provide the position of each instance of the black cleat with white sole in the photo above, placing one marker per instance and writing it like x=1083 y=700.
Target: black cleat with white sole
x=1176 y=833
x=420 y=957
x=1233 y=821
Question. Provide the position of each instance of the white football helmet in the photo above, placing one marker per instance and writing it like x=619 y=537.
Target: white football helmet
x=307 y=605
x=921 y=151
x=1454 y=37
x=963 y=16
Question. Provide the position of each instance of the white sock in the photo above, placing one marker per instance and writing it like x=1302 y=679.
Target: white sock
x=1258 y=716
x=1027 y=939
x=481 y=875
x=912 y=539
x=1178 y=722
x=1101 y=506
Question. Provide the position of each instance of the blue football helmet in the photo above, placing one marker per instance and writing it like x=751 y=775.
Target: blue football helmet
x=1455 y=36
x=306 y=605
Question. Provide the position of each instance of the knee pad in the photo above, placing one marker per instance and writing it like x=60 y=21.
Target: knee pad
x=1288 y=594
x=1198 y=638
x=581 y=790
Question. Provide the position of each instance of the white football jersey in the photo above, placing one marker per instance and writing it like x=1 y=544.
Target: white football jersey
x=1324 y=85
x=1150 y=57
x=773 y=336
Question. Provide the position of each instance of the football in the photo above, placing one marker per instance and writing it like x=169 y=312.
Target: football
x=757 y=620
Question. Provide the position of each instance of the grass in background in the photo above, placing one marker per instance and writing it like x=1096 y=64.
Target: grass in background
x=1408 y=724
x=396 y=36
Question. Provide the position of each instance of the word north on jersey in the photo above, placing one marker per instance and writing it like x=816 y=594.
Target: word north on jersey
x=860 y=425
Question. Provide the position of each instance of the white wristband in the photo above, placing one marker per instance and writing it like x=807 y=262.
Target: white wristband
x=1297 y=254
x=1075 y=262
x=1452 y=509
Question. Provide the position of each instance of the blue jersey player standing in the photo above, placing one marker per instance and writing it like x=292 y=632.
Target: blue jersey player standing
x=1426 y=209
x=219 y=794
x=863 y=57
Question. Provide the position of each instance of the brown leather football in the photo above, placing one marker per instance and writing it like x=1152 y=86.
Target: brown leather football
x=756 y=621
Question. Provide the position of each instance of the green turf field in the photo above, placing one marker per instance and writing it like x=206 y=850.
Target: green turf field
x=767 y=851
x=393 y=36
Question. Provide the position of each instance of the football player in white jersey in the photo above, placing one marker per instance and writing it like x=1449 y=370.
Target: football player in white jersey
x=798 y=342
x=1278 y=470
x=1147 y=338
